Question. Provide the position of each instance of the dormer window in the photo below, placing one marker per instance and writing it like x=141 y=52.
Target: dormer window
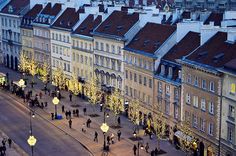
x=170 y=72
x=162 y=69
x=179 y=74
x=10 y=9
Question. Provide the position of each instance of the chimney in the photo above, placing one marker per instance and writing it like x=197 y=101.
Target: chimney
x=231 y=36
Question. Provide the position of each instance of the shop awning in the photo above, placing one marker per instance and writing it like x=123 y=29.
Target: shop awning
x=2 y=75
x=183 y=136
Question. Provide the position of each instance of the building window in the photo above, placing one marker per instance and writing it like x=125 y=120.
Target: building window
x=167 y=107
x=195 y=101
x=144 y=81
x=131 y=91
x=73 y=56
x=211 y=108
x=162 y=69
x=176 y=112
x=196 y=81
x=230 y=133
x=210 y=129
x=179 y=74
x=203 y=84
x=135 y=93
x=168 y=90
x=176 y=93
x=195 y=122
x=118 y=49
x=232 y=88
x=170 y=72
x=140 y=79
x=203 y=104
x=96 y=45
x=188 y=98
x=150 y=83
x=202 y=124
x=107 y=48
x=189 y=79
x=140 y=62
x=112 y=48
x=212 y=86
x=126 y=90
x=135 y=77
x=130 y=76
x=231 y=111
x=159 y=87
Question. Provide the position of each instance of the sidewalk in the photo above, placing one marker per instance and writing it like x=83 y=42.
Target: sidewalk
x=15 y=150
x=124 y=147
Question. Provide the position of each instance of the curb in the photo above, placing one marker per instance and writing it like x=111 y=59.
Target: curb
x=16 y=147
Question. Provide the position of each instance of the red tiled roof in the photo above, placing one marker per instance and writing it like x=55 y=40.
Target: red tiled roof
x=34 y=11
x=88 y=25
x=151 y=37
x=15 y=7
x=118 y=23
x=52 y=11
x=67 y=19
x=231 y=64
x=190 y=42
x=215 y=17
x=216 y=52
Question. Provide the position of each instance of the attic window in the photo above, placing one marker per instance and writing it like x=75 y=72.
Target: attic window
x=217 y=57
x=146 y=42
x=119 y=27
x=136 y=39
x=156 y=44
x=107 y=26
x=82 y=29
x=61 y=22
x=10 y=9
x=202 y=54
x=69 y=23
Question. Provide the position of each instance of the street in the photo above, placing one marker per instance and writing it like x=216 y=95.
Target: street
x=14 y=120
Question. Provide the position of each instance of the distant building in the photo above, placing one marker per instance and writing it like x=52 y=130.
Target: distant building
x=11 y=16
x=27 y=31
x=82 y=48
x=41 y=33
x=110 y=37
x=142 y=57
x=167 y=82
x=201 y=90
x=228 y=108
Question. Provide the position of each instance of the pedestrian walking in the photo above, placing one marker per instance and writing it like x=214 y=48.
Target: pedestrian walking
x=70 y=96
x=119 y=135
x=49 y=91
x=135 y=149
x=118 y=120
x=77 y=112
x=84 y=110
x=88 y=123
x=59 y=96
x=108 y=140
x=112 y=138
x=63 y=108
x=9 y=142
x=4 y=149
x=69 y=114
x=40 y=95
x=101 y=106
x=146 y=147
x=3 y=142
x=83 y=128
x=52 y=116
x=45 y=104
x=156 y=151
x=42 y=105
x=95 y=136
x=152 y=153
x=70 y=123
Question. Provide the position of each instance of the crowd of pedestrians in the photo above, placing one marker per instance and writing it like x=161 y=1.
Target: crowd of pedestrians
x=3 y=147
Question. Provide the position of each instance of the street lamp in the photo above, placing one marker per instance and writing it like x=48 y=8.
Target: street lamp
x=32 y=141
x=104 y=127
x=55 y=101
x=21 y=83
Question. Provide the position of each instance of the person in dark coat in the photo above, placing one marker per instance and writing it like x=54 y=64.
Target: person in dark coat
x=135 y=149
x=9 y=142
x=70 y=123
x=108 y=140
x=70 y=96
x=118 y=120
x=85 y=110
x=77 y=112
x=95 y=136
x=119 y=135
x=63 y=108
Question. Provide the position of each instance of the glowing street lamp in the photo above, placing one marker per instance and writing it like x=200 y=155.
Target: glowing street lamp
x=32 y=141
x=104 y=127
x=55 y=101
x=21 y=83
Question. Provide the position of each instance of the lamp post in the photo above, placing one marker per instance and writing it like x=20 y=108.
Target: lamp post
x=104 y=127
x=22 y=85
x=31 y=140
x=55 y=101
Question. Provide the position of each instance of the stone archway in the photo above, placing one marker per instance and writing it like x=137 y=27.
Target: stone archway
x=7 y=63
x=12 y=62
x=201 y=148
x=16 y=64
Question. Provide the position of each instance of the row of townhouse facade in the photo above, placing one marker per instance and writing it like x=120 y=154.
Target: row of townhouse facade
x=171 y=69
